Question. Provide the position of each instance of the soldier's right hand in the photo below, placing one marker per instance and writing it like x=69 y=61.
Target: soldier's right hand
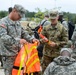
x=23 y=41
x=52 y=44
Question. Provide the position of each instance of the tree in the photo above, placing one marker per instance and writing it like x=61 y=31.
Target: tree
x=39 y=14
x=3 y=14
x=29 y=14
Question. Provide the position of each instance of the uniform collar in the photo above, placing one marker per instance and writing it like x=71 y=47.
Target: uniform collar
x=54 y=27
x=11 y=21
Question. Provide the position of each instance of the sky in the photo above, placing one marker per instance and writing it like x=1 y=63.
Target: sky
x=31 y=5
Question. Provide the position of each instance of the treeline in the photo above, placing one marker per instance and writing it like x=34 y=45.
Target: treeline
x=67 y=15
x=70 y=16
x=27 y=14
x=30 y=14
x=3 y=14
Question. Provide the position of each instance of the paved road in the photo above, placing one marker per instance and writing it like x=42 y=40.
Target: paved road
x=1 y=72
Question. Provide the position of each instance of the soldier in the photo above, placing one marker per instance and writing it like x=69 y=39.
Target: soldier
x=45 y=20
x=64 y=22
x=73 y=39
x=56 y=33
x=10 y=10
x=12 y=36
x=67 y=24
x=62 y=65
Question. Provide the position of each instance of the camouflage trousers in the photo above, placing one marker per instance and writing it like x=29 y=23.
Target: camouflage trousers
x=46 y=60
x=8 y=64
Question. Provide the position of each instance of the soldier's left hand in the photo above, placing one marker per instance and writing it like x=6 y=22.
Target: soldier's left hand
x=52 y=44
x=36 y=40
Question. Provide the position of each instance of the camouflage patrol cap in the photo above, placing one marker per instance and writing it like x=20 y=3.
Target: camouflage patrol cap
x=20 y=9
x=53 y=14
x=66 y=49
x=46 y=15
x=61 y=13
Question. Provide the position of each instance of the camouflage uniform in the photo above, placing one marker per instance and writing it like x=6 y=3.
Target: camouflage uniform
x=69 y=44
x=57 y=34
x=29 y=29
x=10 y=34
x=65 y=24
x=62 y=20
x=61 y=66
x=74 y=43
x=46 y=22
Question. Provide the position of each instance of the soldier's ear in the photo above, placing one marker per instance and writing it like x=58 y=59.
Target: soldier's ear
x=58 y=17
x=14 y=10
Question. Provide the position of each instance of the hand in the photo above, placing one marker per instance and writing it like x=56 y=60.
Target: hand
x=35 y=40
x=23 y=41
x=45 y=40
x=52 y=44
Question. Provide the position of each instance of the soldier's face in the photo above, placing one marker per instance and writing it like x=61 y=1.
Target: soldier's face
x=16 y=15
x=54 y=21
x=65 y=53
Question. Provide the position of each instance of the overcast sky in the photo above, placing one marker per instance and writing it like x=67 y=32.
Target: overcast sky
x=64 y=5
